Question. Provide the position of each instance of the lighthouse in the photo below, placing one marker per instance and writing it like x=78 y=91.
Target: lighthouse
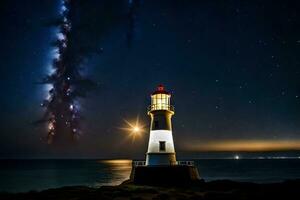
x=161 y=149
x=161 y=166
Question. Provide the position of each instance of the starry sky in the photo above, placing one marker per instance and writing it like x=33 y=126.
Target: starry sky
x=233 y=69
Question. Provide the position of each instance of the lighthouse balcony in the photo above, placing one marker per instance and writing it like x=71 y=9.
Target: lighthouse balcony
x=181 y=163
x=161 y=107
x=187 y=163
x=138 y=163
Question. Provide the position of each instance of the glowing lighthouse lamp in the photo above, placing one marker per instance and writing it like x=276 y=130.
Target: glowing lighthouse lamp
x=161 y=146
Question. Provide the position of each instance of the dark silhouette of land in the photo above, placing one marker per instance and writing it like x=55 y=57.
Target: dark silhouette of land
x=223 y=189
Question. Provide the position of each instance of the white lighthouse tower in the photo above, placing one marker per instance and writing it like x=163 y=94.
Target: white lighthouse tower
x=161 y=149
x=161 y=167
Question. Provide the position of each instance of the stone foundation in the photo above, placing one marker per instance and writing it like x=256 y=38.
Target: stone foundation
x=164 y=175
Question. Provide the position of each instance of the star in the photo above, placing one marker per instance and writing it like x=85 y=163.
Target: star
x=271 y=75
x=251 y=101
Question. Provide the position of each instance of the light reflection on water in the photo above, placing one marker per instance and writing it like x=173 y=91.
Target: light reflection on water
x=117 y=170
x=25 y=175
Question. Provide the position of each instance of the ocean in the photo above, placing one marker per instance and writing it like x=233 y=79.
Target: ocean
x=27 y=175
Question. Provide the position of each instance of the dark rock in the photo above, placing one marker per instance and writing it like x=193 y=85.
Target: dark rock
x=204 y=191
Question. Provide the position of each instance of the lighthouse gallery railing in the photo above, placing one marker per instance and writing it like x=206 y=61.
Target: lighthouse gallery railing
x=160 y=107
x=143 y=163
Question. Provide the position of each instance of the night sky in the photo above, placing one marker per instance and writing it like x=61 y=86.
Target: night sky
x=233 y=68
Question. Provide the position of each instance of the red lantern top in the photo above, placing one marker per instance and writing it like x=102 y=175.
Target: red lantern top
x=160 y=90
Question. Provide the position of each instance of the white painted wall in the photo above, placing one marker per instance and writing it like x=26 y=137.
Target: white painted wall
x=160 y=135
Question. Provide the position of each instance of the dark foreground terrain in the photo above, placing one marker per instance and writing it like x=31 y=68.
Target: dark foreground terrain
x=203 y=190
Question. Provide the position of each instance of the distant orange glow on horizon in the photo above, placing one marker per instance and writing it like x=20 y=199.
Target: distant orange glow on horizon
x=244 y=145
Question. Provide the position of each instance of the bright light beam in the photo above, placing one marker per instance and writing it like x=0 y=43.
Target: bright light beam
x=134 y=129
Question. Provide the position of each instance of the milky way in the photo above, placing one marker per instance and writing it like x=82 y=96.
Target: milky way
x=67 y=84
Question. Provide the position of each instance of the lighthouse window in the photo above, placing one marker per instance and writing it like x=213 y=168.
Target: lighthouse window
x=160 y=101
x=154 y=101
x=155 y=124
x=162 y=145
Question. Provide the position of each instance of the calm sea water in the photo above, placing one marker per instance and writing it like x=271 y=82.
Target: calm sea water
x=25 y=175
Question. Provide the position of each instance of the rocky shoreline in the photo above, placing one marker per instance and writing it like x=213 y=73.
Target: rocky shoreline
x=223 y=189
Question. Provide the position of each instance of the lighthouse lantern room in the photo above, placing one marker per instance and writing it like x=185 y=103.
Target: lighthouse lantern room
x=161 y=149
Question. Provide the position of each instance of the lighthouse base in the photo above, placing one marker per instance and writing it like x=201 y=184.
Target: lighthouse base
x=165 y=175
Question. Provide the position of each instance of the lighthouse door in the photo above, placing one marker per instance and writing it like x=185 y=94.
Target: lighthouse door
x=162 y=145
